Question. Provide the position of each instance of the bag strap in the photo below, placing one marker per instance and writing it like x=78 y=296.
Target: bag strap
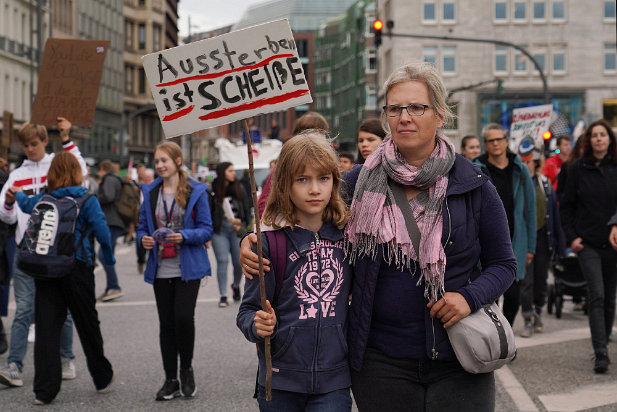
x=503 y=340
x=410 y=221
x=277 y=241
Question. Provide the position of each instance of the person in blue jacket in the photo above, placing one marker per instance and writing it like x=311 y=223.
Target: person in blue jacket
x=174 y=224
x=518 y=194
x=308 y=323
x=75 y=291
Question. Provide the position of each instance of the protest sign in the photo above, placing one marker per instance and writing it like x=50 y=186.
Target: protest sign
x=226 y=78
x=528 y=125
x=69 y=81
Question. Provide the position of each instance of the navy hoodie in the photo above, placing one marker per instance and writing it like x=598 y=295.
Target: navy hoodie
x=309 y=344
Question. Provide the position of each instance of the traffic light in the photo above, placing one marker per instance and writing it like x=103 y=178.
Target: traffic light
x=547 y=135
x=377 y=30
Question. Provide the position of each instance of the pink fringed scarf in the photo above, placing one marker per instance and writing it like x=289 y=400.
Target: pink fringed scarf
x=376 y=220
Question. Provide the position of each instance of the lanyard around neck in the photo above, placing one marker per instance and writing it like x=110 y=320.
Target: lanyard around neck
x=168 y=213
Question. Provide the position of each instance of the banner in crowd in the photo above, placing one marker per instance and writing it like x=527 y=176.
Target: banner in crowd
x=69 y=81
x=528 y=126
x=226 y=78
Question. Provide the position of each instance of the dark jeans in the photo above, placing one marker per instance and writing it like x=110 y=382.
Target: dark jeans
x=175 y=302
x=511 y=301
x=599 y=266
x=285 y=401
x=75 y=291
x=110 y=270
x=391 y=384
x=533 y=286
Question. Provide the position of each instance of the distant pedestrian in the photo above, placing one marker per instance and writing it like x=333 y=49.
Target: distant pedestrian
x=230 y=214
x=588 y=203
x=109 y=191
x=174 y=224
x=308 y=318
x=74 y=291
x=346 y=161
x=370 y=135
x=517 y=192
x=552 y=165
x=31 y=178
x=470 y=147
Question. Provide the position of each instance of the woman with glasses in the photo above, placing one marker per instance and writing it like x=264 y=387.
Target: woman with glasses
x=405 y=296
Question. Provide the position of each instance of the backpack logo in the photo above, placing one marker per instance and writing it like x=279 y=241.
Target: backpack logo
x=47 y=233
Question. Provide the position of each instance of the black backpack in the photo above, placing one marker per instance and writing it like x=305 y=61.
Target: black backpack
x=47 y=250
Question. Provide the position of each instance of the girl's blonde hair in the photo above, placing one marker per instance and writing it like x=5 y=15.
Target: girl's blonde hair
x=175 y=152
x=310 y=147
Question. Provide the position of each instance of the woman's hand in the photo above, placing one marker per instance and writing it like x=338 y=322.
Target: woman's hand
x=265 y=321
x=577 y=244
x=147 y=242
x=529 y=259
x=174 y=238
x=613 y=237
x=451 y=308
x=248 y=258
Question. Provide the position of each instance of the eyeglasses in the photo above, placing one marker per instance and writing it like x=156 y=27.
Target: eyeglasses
x=500 y=139
x=414 y=109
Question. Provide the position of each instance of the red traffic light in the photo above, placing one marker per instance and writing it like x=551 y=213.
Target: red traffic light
x=547 y=135
x=378 y=25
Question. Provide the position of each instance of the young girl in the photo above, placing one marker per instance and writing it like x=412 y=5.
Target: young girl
x=228 y=191
x=74 y=291
x=174 y=221
x=308 y=323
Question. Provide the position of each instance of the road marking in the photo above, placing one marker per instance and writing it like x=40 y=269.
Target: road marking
x=144 y=303
x=581 y=398
x=558 y=336
x=516 y=391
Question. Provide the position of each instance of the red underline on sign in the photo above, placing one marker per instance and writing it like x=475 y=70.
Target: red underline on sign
x=178 y=114
x=223 y=73
x=254 y=105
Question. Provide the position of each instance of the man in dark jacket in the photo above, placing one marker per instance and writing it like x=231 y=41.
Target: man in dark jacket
x=109 y=191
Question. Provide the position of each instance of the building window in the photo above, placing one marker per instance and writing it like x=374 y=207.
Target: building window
x=128 y=79
x=501 y=11
x=609 y=10
x=141 y=36
x=559 y=10
x=539 y=10
x=371 y=97
x=429 y=54
x=129 y=27
x=539 y=54
x=520 y=62
x=449 y=59
x=142 y=81
x=302 y=47
x=559 y=59
x=610 y=58
x=156 y=37
x=449 y=15
x=371 y=64
x=428 y=11
x=501 y=59
x=610 y=111
x=520 y=11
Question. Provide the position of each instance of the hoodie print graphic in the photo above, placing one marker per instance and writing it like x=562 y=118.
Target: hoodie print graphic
x=318 y=282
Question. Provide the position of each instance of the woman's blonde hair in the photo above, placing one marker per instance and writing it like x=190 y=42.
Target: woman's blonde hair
x=175 y=152
x=310 y=147
x=64 y=171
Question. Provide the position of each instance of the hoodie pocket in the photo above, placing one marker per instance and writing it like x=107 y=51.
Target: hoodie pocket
x=332 y=349
x=296 y=350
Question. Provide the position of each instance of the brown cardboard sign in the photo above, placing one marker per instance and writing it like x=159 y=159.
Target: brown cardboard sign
x=69 y=81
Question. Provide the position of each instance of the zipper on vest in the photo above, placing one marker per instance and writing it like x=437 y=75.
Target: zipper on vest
x=316 y=343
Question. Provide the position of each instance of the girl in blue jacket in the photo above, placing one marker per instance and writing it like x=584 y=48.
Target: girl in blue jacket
x=174 y=224
x=309 y=321
x=75 y=291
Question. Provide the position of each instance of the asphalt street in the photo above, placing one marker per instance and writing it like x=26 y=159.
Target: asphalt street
x=552 y=372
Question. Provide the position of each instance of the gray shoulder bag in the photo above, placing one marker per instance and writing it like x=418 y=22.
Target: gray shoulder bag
x=483 y=341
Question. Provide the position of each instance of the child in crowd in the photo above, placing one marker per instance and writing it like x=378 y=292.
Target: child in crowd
x=307 y=318
x=174 y=219
x=75 y=291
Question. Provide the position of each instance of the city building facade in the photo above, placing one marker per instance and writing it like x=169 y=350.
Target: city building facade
x=573 y=41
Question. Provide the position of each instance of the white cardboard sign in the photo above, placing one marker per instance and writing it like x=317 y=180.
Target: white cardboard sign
x=226 y=78
x=528 y=126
